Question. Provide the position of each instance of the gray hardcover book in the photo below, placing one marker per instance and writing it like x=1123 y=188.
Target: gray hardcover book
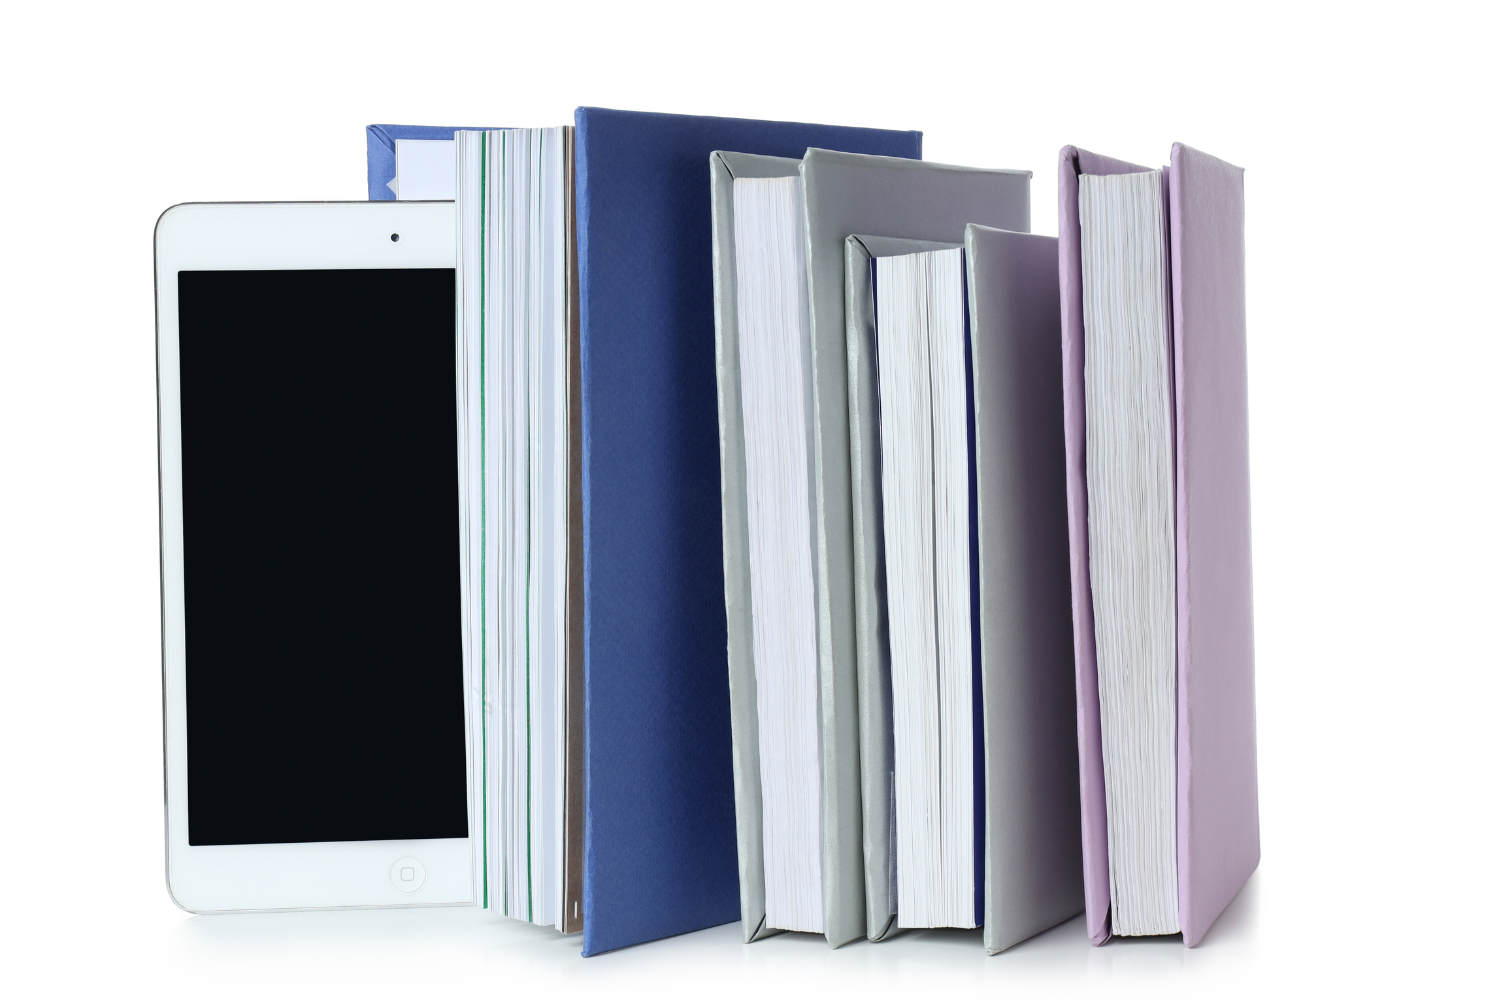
x=845 y=194
x=876 y=750
x=1032 y=872
x=1033 y=846
x=724 y=168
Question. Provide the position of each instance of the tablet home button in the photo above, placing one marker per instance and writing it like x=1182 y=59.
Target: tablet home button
x=407 y=874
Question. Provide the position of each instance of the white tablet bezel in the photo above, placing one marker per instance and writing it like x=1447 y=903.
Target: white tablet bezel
x=279 y=236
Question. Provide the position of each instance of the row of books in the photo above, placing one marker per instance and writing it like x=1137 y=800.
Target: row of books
x=840 y=556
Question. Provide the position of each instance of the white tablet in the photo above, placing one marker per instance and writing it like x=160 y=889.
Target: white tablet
x=315 y=732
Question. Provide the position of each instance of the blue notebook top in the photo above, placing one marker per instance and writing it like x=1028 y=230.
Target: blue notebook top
x=660 y=836
x=380 y=152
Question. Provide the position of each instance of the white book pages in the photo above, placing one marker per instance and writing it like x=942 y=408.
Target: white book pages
x=512 y=190
x=1132 y=549
x=468 y=287
x=924 y=449
x=773 y=335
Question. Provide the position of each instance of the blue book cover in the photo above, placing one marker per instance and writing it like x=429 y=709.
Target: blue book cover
x=660 y=856
x=380 y=152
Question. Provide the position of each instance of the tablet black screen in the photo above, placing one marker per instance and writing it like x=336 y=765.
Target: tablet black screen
x=321 y=556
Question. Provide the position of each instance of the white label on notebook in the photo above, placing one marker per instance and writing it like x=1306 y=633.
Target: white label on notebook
x=425 y=169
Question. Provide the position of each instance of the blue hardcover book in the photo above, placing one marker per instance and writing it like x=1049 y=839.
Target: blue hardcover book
x=660 y=856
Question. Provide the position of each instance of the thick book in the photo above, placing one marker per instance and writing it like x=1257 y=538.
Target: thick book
x=1172 y=727
x=997 y=559
x=847 y=195
x=724 y=169
x=520 y=474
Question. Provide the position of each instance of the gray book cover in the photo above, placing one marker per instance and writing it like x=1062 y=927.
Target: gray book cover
x=744 y=727
x=847 y=194
x=1033 y=833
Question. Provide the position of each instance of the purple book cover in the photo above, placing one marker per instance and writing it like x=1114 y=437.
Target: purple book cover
x=1218 y=838
x=1218 y=813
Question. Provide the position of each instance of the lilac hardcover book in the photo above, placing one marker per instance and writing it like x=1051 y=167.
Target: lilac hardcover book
x=1217 y=830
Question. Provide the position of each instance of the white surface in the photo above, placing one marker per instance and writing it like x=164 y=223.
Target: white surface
x=771 y=302
x=1367 y=133
x=256 y=237
x=425 y=169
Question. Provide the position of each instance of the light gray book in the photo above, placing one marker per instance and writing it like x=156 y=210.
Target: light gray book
x=1000 y=294
x=724 y=167
x=847 y=194
x=875 y=728
x=1033 y=847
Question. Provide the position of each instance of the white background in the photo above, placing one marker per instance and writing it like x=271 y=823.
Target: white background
x=1368 y=134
